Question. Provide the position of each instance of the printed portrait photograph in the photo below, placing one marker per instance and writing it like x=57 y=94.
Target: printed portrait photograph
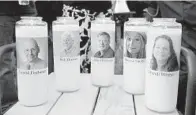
x=103 y=45
x=135 y=43
x=164 y=57
x=32 y=53
x=70 y=45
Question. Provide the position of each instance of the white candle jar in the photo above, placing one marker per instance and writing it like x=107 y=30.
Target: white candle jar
x=162 y=72
x=66 y=45
x=103 y=51
x=134 y=60
x=32 y=60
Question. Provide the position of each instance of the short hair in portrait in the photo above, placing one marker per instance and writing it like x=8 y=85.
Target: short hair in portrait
x=163 y=55
x=103 y=46
x=31 y=51
x=135 y=44
x=69 y=46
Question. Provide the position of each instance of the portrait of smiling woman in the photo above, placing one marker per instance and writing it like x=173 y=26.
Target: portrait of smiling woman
x=135 y=45
x=163 y=56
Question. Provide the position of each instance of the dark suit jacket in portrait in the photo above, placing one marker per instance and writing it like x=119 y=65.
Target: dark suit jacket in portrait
x=107 y=54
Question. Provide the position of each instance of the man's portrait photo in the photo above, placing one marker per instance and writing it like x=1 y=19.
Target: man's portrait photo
x=103 y=46
x=31 y=51
x=70 y=47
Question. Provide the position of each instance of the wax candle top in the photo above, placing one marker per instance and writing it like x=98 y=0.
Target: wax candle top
x=103 y=20
x=30 y=21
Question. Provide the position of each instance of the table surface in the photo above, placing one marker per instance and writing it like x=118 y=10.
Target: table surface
x=89 y=100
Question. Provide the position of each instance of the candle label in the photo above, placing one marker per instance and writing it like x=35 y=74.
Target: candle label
x=32 y=54
x=66 y=41
x=32 y=72
x=134 y=61
x=163 y=49
x=103 y=44
x=70 y=44
x=135 y=38
x=134 y=44
x=164 y=74
x=67 y=44
x=102 y=59
x=65 y=59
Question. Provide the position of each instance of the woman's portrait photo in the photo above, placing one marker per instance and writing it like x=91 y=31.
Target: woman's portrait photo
x=135 y=45
x=163 y=55
x=69 y=46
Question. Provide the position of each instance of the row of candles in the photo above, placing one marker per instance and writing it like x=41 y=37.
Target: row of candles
x=150 y=56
